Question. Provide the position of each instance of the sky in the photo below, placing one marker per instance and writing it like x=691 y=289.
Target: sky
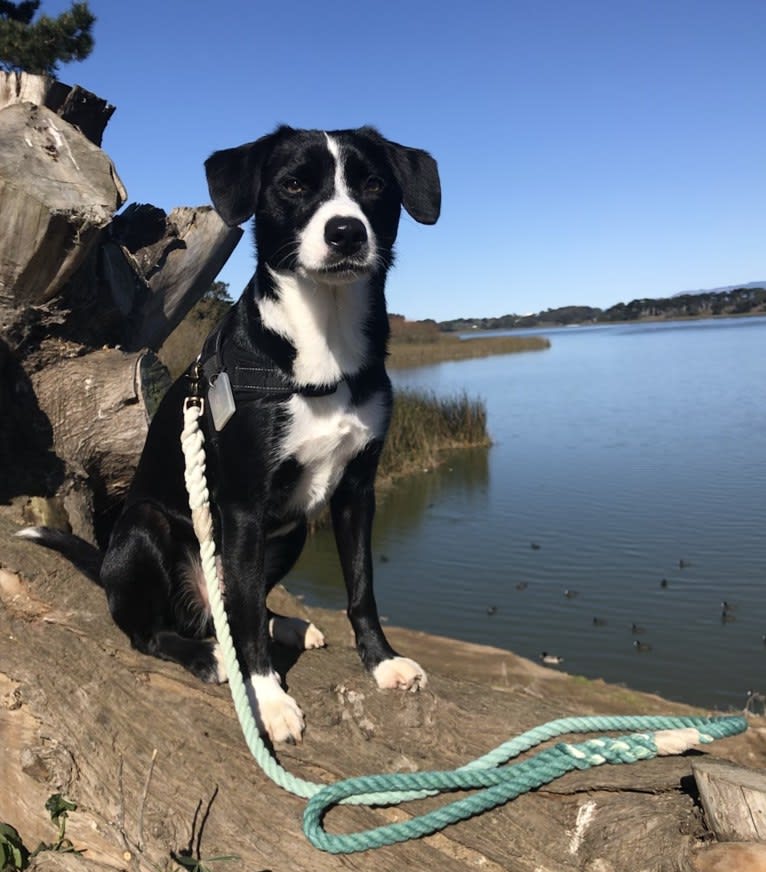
x=590 y=151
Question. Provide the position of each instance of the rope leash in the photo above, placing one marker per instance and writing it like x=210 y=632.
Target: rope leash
x=657 y=736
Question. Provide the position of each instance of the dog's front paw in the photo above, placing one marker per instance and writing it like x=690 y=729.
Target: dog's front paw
x=401 y=673
x=295 y=633
x=279 y=714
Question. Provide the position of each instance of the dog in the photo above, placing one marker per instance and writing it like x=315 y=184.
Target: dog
x=295 y=375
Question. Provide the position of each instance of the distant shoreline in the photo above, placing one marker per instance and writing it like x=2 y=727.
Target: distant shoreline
x=479 y=331
x=708 y=304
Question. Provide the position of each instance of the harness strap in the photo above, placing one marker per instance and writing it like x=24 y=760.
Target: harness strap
x=252 y=374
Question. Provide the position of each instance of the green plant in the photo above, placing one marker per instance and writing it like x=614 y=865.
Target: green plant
x=59 y=807
x=14 y=855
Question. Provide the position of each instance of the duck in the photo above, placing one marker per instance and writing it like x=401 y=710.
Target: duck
x=637 y=628
x=491 y=610
x=599 y=622
x=664 y=582
x=683 y=564
x=641 y=646
x=534 y=546
x=551 y=659
x=569 y=593
x=522 y=585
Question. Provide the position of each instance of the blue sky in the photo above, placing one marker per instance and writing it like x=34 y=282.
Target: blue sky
x=590 y=152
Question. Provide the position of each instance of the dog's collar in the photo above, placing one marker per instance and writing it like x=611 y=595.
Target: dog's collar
x=252 y=374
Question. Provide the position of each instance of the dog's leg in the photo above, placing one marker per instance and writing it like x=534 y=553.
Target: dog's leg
x=353 y=508
x=244 y=571
x=295 y=632
x=140 y=575
x=281 y=553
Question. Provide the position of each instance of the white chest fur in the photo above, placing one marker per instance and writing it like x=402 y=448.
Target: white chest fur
x=324 y=434
x=325 y=324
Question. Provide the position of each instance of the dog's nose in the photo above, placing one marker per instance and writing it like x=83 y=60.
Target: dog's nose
x=345 y=235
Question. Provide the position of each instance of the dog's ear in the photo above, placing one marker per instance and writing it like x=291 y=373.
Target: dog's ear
x=234 y=177
x=417 y=174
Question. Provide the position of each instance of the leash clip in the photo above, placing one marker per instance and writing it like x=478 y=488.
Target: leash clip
x=194 y=377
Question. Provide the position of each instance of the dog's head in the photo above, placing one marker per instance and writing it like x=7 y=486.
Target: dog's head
x=326 y=205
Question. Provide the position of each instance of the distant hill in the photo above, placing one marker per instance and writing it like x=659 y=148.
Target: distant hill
x=746 y=299
x=722 y=290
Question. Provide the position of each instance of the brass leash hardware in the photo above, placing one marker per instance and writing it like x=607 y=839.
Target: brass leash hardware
x=194 y=375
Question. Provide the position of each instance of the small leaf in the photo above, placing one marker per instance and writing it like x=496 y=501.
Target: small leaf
x=58 y=805
x=13 y=853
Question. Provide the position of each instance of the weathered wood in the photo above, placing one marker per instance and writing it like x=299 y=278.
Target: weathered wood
x=77 y=106
x=157 y=266
x=731 y=857
x=99 y=406
x=82 y=713
x=178 y=269
x=734 y=799
x=58 y=191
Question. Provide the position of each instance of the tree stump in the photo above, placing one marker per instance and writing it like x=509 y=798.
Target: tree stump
x=80 y=287
x=86 y=111
x=58 y=193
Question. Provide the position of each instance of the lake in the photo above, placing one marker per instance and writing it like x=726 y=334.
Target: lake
x=622 y=456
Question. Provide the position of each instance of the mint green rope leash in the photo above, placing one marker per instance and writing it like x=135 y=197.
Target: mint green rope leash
x=496 y=786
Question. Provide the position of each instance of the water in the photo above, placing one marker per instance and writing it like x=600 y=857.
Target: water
x=620 y=451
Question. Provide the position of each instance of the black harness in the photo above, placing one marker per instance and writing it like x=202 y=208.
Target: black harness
x=251 y=374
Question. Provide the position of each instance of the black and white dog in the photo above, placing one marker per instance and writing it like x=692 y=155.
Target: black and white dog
x=303 y=351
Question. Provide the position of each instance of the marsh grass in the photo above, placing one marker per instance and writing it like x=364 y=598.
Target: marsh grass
x=425 y=350
x=423 y=426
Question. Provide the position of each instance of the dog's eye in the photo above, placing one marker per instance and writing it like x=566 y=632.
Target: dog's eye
x=293 y=185
x=374 y=185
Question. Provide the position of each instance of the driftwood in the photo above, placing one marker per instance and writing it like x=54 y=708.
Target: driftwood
x=176 y=270
x=86 y=111
x=58 y=192
x=82 y=713
x=734 y=799
x=99 y=406
x=75 y=279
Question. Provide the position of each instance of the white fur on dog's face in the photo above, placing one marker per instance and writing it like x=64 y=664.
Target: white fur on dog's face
x=314 y=254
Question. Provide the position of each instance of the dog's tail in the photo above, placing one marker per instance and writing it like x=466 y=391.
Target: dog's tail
x=86 y=557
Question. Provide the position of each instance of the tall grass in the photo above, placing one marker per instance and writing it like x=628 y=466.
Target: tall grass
x=423 y=426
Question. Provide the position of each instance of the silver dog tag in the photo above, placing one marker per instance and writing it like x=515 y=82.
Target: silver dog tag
x=221 y=400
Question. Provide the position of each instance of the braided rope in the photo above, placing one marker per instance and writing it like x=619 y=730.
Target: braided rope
x=495 y=786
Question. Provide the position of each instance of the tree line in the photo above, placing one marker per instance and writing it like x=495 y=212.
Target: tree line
x=708 y=304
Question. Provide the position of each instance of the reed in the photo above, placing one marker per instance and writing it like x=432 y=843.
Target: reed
x=423 y=426
x=422 y=351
